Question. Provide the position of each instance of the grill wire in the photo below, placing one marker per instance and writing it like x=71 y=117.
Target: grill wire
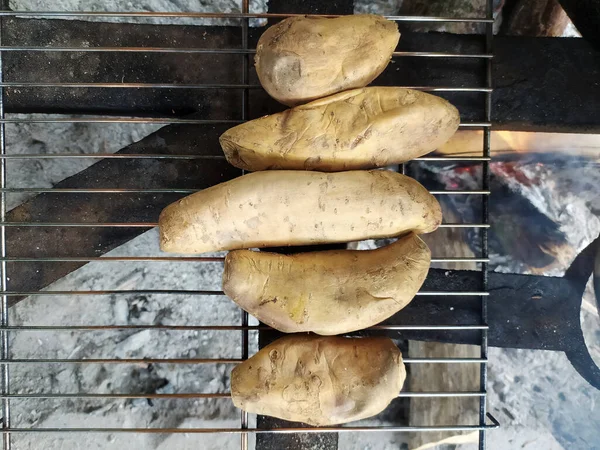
x=243 y=327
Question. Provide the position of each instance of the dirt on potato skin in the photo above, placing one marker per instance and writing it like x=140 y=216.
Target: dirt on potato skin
x=320 y=380
x=301 y=292
x=284 y=208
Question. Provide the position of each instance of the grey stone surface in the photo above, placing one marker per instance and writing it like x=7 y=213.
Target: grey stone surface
x=169 y=6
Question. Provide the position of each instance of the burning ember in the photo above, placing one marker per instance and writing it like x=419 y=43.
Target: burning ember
x=543 y=205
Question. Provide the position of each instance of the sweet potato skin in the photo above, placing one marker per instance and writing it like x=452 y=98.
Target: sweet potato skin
x=279 y=208
x=320 y=380
x=301 y=59
x=330 y=292
x=358 y=129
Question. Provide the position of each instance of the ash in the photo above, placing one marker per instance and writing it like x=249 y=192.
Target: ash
x=118 y=310
x=169 y=6
x=126 y=378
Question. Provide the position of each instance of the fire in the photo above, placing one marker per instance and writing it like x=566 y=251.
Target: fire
x=470 y=143
x=513 y=169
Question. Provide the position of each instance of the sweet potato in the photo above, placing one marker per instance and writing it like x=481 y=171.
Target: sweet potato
x=320 y=380
x=330 y=292
x=357 y=129
x=304 y=58
x=278 y=208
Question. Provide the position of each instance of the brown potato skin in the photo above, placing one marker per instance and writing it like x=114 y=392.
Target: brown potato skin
x=330 y=292
x=301 y=59
x=320 y=380
x=358 y=129
x=278 y=208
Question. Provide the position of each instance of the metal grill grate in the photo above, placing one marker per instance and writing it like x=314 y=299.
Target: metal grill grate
x=243 y=327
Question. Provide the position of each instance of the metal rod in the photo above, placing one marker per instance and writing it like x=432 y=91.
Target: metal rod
x=452 y=158
x=399 y=429
x=489 y=34
x=103 y=190
x=155 y=224
x=464 y=225
x=455 y=192
x=117 y=259
x=444 y=360
x=195 y=292
x=231 y=15
x=228 y=327
x=441 y=394
x=459 y=259
x=210 y=51
x=443 y=55
x=195 y=50
x=4 y=338
x=245 y=116
x=161 y=121
x=171 y=191
x=156 y=120
x=465 y=259
x=108 y=156
x=476 y=125
x=162 y=156
x=81 y=224
x=15 y=361
x=451 y=293
x=153 y=395
x=217 y=395
x=20 y=84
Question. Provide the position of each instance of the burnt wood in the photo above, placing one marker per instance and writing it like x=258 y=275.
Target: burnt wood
x=546 y=84
x=585 y=15
x=542 y=84
x=189 y=68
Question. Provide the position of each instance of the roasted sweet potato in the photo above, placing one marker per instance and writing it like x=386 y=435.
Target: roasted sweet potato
x=276 y=208
x=304 y=58
x=320 y=380
x=330 y=292
x=357 y=129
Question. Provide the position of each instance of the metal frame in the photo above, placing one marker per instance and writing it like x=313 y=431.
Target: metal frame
x=4 y=344
x=200 y=51
x=5 y=328
x=232 y=15
x=161 y=121
x=245 y=116
x=489 y=36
